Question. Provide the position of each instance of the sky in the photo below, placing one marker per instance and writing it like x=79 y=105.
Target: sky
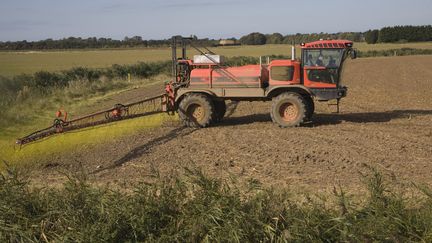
x=160 y=19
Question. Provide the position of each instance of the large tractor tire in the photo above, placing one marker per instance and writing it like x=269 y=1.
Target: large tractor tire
x=310 y=107
x=196 y=110
x=288 y=110
x=220 y=110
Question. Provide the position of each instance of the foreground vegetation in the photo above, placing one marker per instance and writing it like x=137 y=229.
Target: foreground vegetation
x=197 y=208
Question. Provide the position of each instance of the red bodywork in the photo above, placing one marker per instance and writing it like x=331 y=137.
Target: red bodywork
x=256 y=76
x=260 y=76
x=312 y=84
x=284 y=63
x=215 y=76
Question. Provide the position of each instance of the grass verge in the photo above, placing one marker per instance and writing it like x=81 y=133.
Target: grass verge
x=36 y=110
x=55 y=145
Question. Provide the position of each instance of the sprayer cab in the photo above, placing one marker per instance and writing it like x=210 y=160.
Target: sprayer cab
x=322 y=63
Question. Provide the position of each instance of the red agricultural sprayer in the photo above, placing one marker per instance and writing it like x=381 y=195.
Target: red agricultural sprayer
x=200 y=86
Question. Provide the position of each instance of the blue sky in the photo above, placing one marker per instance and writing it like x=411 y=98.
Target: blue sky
x=153 y=19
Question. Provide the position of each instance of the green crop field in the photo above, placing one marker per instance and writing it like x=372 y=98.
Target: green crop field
x=13 y=63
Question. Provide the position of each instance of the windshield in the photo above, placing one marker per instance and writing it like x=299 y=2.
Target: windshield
x=330 y=58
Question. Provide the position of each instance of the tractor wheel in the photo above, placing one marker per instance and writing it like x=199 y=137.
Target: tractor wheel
x=196 y=110
x=220 y=110
x=310 y=107
x=288 y=110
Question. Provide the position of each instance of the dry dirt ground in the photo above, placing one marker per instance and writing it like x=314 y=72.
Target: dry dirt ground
x=385 y=122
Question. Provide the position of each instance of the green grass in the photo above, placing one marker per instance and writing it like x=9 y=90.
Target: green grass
x=59 y=143
x=196 y=208
x=37 y=110
x=13 y=63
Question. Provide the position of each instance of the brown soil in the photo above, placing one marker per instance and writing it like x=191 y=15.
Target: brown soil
x=385 y=122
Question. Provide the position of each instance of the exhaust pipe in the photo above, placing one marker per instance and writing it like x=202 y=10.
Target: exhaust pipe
x=293 y=54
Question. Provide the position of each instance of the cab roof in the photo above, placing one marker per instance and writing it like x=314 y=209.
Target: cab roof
x=328 y=44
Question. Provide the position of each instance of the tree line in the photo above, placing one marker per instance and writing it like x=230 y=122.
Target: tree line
x=386 y=35
x=137 y=41
x=394 y=34
x=94 y=43
x=406 y=33
x=257 y=38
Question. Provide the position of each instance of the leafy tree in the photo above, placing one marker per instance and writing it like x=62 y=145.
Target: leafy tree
x=253 y=39
x=406 y=33
x=371 y=36
x=275 y=38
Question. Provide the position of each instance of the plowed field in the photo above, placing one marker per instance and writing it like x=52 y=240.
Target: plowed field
x=385 y=122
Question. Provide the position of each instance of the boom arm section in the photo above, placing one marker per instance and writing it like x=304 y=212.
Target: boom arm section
x=148 y=106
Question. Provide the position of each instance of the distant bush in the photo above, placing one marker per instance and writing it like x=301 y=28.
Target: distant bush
x=275 y=38
x=198 y=208
x=241 y=60
x=80 y=73
x=247 y=60
x=371 y=36
x=253 y=39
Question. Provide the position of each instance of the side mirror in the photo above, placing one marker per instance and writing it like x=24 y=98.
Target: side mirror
x=353 y=54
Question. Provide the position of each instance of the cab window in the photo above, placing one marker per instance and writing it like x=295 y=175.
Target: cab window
x=282 y=73
x=330 y=58
x=330 y=76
